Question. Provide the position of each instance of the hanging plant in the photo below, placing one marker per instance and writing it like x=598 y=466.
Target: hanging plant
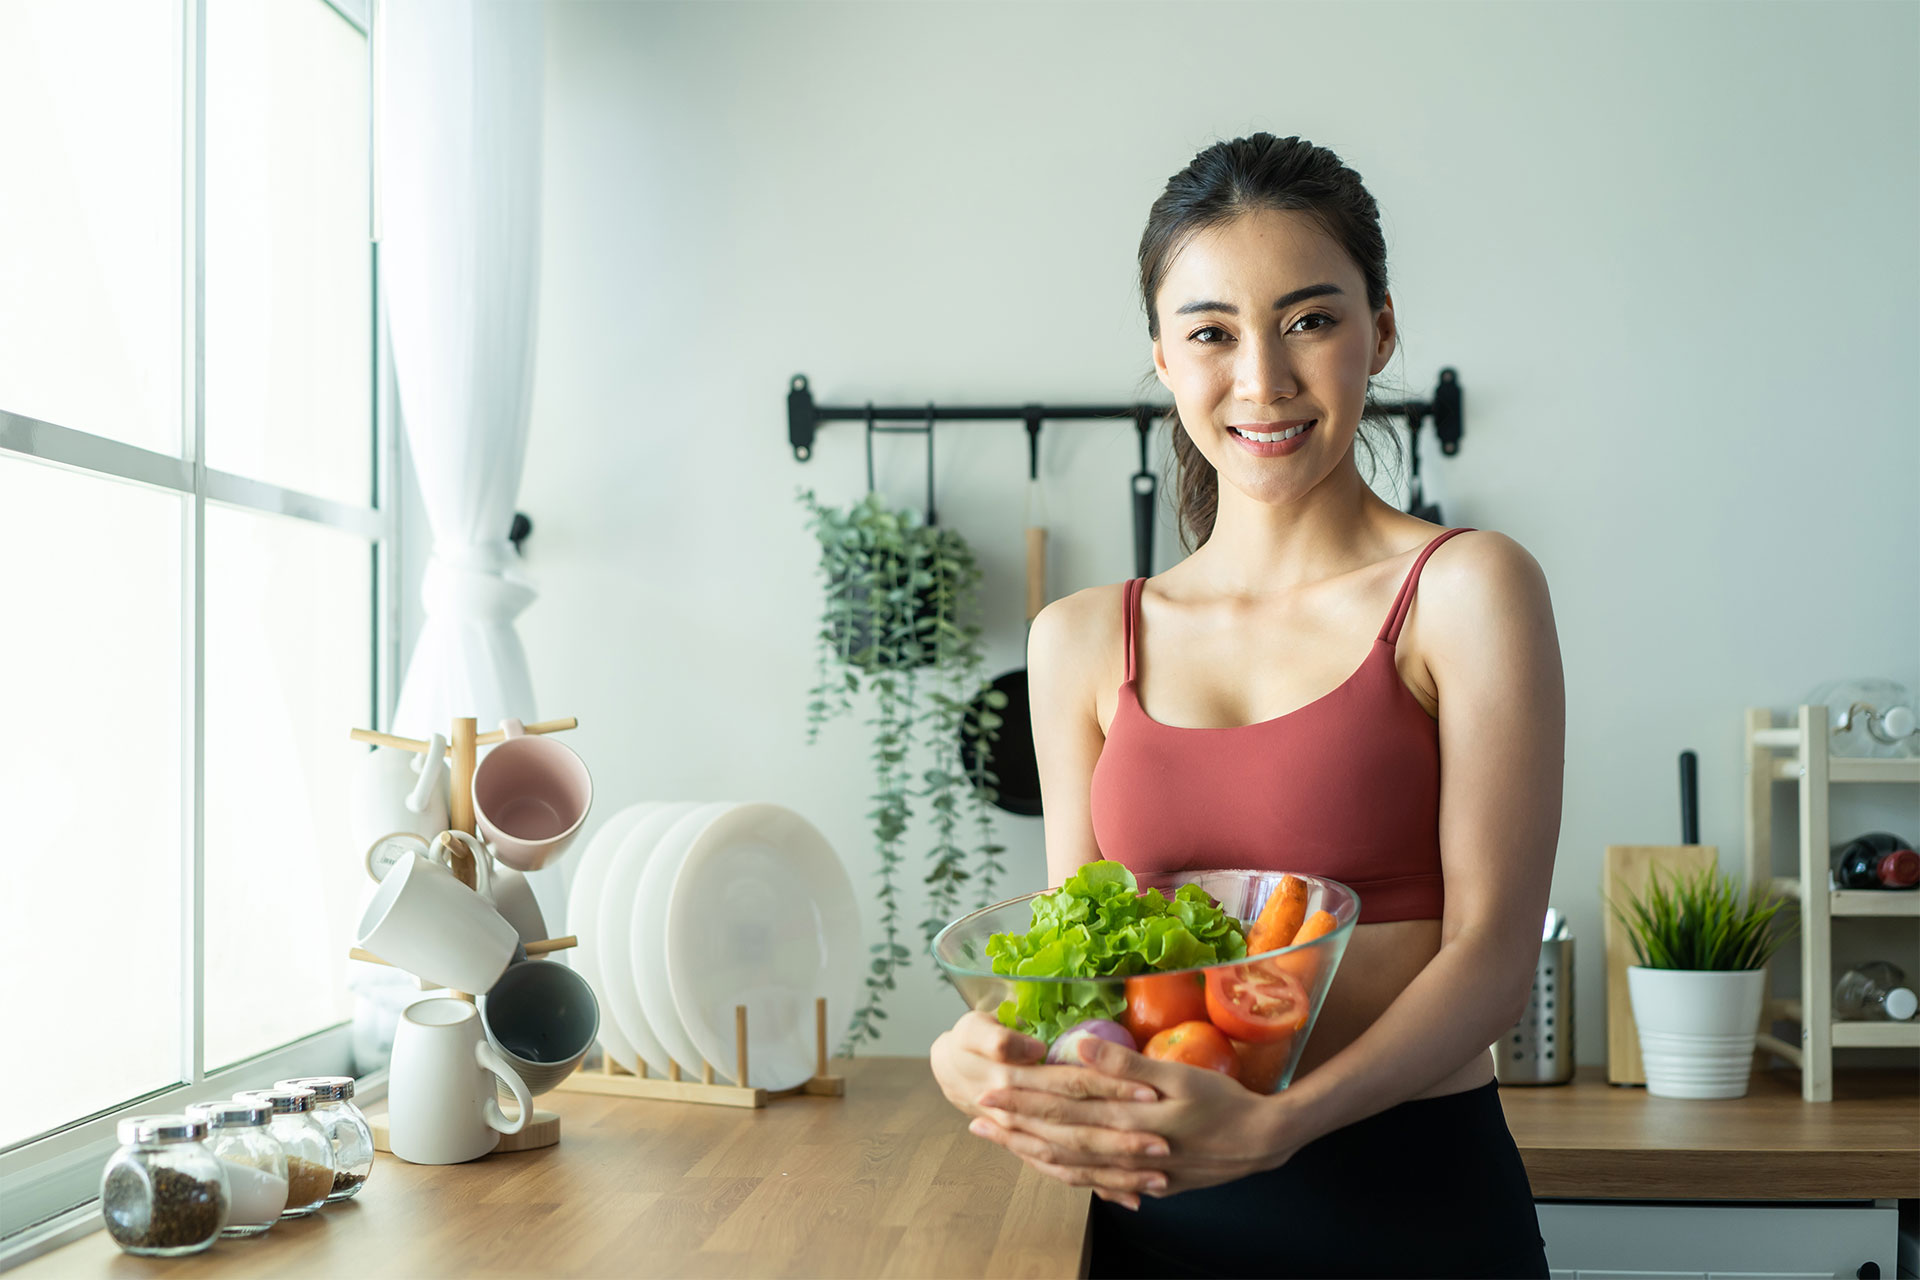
x=899 y=622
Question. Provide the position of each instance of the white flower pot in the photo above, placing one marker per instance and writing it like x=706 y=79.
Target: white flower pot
x=1697 y=1029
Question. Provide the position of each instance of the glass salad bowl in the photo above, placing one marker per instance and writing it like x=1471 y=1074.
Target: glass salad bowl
x=1156 y=952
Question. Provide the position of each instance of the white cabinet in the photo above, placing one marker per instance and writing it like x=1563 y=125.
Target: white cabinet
x=1590 y=1239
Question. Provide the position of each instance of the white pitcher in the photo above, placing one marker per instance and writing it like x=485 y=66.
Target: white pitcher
x=441 y=1105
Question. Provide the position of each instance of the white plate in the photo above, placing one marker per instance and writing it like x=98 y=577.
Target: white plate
x=649 y=931
x=582 y=897
x=763 y=914
x=614 y=912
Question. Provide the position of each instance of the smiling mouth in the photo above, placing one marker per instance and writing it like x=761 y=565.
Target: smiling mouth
x=1270 y=437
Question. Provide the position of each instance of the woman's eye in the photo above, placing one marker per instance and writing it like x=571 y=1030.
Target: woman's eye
x=1322 y=316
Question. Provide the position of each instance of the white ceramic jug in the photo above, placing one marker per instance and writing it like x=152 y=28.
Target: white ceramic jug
x=441 y=1105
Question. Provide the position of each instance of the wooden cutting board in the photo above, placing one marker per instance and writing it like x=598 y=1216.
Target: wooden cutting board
x=1624 y=872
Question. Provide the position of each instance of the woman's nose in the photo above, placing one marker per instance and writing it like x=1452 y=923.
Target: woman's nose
x=1262 y=372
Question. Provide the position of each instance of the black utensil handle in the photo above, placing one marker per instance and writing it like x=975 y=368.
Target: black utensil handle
x=1145 y=487
x=1689 y=798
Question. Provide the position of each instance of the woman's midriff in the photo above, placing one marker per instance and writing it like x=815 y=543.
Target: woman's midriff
x=1380 y=961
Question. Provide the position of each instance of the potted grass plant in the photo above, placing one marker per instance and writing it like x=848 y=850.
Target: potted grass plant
x=1696 y=993
x=899 y=627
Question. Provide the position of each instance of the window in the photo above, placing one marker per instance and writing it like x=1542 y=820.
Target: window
x=198 y=559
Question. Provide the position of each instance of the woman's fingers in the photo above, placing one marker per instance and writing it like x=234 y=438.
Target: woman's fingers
x=1064 y=1109
x=1122 y=1152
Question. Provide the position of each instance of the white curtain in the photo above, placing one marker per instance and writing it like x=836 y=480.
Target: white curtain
x=459 y=168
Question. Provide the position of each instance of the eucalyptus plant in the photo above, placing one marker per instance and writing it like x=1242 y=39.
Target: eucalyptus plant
x=1701 y=922
x=899 y=621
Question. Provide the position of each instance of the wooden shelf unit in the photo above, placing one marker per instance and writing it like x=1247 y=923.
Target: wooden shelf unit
x=1798 y=753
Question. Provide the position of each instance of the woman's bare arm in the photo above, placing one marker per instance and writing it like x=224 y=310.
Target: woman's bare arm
x=1067 y=651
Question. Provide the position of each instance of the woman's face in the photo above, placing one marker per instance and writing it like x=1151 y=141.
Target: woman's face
x=1264 y=324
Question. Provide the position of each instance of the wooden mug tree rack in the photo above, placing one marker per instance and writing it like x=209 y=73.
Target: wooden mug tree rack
x=610 y=1078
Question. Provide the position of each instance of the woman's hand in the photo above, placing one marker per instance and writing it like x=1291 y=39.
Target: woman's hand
x=1215 y=1130
x=981 y=1057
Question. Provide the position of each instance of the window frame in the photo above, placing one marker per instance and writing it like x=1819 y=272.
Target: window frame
x=49 y=1183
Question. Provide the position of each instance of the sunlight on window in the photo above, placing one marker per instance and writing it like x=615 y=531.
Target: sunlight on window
x=289 y=672
x=289 y=268
x=91 y=786
x=90 y=325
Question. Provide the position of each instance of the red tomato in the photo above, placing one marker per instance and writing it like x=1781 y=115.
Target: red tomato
x=1258 y=1003
x=1261 y=1064
x=1157 y=1001
x=1198 y=1044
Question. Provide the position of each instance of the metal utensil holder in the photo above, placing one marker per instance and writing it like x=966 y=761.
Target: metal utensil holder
x=1539 y=1049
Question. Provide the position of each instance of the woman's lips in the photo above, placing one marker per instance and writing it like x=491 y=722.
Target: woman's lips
x=1272 y=448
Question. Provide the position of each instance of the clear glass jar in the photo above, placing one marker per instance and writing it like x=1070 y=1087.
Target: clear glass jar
x=309 y=1153
x=163 y=1193
x=254 y=1161
x=346 y=1127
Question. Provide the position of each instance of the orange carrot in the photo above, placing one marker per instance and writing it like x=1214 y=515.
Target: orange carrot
x=1305 y=965
x=1280 y=918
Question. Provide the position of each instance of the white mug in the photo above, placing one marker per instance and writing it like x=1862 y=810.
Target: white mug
x=506 y=888
x=395 y=790
x=423 y=920
x=441 y=1107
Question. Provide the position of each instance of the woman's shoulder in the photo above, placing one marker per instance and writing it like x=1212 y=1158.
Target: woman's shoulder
x=1081 y=634
x=1473 y=577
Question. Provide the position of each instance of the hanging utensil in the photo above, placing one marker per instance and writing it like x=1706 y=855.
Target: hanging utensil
x=1011 y=758
x=1145 y=490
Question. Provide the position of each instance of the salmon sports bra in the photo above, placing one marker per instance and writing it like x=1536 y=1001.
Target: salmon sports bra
x=1346 y=787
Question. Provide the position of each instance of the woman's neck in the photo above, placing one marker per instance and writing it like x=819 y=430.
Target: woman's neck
x=1261 y=549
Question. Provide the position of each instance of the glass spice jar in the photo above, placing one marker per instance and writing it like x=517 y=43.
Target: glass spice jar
x=163 y=1193
x=253 y=1159
x=347 y=1128
x=309 y=1153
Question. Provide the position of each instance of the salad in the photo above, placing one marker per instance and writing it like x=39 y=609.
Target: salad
x=1099 y=924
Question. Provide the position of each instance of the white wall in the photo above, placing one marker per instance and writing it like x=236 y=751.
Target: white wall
x=1669 y=248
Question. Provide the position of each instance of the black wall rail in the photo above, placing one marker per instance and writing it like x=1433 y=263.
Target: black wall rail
x=804 y=418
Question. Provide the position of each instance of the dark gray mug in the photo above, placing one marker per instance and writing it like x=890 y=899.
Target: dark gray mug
x=542 y=1017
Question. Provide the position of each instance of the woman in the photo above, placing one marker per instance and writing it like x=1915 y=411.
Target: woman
x=1284 y=698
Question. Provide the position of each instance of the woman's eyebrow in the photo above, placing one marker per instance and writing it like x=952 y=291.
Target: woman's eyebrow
x=1280 y=304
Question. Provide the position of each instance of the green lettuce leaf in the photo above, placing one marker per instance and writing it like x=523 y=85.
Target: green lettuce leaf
x=1099 y=924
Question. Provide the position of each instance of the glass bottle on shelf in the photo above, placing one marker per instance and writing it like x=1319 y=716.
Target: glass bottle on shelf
x=163 y=1193
x=254 y=1161
x=1875 y=991
x=346 y=1126
x=309 y=1152
x=1877 y=860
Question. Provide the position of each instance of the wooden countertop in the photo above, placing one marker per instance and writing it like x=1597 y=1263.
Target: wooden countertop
x=1593 y=1140
x=887 y=1182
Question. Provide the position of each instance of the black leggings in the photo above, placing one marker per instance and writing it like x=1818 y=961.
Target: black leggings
x=1432 y=1187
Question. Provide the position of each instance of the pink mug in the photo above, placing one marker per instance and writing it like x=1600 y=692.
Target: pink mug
x=530 y=795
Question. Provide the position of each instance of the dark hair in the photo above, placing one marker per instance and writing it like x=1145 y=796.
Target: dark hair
x=1223 y=182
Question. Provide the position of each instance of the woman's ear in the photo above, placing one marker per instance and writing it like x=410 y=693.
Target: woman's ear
x=1386 y=336
x=1160 y=365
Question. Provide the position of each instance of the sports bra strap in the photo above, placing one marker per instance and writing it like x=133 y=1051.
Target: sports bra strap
x=1130 y=613
x=1403 y=602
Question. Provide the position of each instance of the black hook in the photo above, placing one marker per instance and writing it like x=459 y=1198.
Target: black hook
x=932 y=517
x=869 y=446
x=1033 y=442
x=522 y=526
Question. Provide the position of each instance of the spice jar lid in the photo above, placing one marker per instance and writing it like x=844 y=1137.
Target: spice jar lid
x=325 y=1088
x=161 y=1129
x=284 y=1102
x=234 y=1113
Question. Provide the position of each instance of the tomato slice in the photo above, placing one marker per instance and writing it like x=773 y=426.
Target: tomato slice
x=1258 y=1003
